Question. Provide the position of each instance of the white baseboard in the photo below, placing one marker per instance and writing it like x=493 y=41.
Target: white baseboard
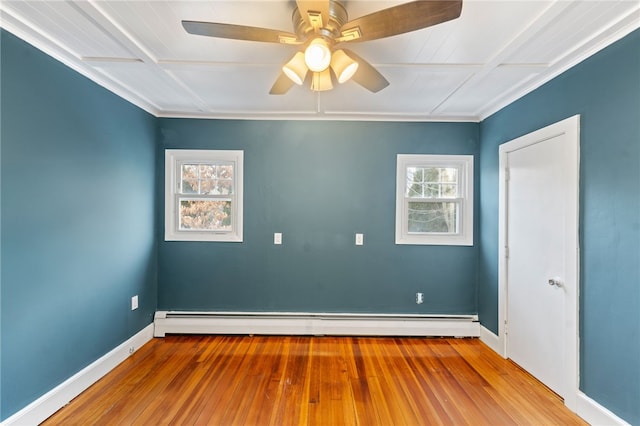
x=274 y=323
x=595 y=414
x=493 y=341
x=43 y=407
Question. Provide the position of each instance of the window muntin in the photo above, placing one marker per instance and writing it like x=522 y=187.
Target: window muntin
x=207 y=178
x=432 y=182
x=434 y=199
x=203 y=195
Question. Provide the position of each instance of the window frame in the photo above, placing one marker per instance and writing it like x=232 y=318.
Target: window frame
x=464 y=164
x=174 y=158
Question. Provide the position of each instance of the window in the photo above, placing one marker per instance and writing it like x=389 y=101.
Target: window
x=434 y=199
x=203 y=195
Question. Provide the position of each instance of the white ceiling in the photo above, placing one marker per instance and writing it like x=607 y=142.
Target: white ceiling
x=462 y=70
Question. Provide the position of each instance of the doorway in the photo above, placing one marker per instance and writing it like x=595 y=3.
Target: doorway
x=539 y=258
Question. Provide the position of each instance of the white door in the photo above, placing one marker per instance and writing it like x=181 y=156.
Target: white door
x=541 y=262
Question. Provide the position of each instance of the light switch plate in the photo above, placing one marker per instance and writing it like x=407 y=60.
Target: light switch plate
x=359 y=239
x=134 y=302
x=277 y=238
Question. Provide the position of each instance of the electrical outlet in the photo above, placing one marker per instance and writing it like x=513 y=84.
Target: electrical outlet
x=359 y=239
x=277 y=238
x=134 y=302
x=419 y=298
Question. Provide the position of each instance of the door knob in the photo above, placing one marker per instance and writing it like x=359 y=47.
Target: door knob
x=555 y=281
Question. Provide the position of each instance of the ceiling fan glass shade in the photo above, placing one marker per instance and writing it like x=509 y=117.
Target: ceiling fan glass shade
x=321 y=81
x=296 y=69
x=317 y=55
x=343 y=66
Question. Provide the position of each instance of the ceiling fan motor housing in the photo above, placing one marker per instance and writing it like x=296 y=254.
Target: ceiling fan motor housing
x=329 y=30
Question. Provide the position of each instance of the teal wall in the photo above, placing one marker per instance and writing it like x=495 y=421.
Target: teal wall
x=77 y=194
x=318 y=183
x=605 y=91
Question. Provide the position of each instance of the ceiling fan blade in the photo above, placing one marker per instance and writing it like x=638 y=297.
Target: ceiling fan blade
x=366 y=75
x=401 y=19
x=239 y=32
x=310 y=9
x=282 y=85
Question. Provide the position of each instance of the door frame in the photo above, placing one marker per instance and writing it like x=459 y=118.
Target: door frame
x=571 y=128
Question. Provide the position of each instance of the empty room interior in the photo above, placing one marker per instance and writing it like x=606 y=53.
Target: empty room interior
x=455 y=181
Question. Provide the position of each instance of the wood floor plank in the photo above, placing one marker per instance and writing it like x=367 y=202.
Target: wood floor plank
x=422 y=387
x=406 y=388
x=300 y=380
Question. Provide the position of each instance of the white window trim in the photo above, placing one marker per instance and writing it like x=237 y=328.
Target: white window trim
x=464 y=163
x=174 y=157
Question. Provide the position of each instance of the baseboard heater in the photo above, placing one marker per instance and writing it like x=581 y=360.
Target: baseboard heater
x=313 y=324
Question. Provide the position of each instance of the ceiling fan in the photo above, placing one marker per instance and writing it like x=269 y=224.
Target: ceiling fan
x=322 y=27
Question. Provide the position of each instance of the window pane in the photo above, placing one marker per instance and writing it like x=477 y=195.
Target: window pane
x=225 y=187
x=415 y=190
x=189 y=186
x=205 y=215
x=415 y=182
x=207 y=171
x=432 y=182
x=448 y=190
x=433 y=217
x=431 y=190
x=208 y=186
x=189 y=171
x=225 y=171
x=448 y=174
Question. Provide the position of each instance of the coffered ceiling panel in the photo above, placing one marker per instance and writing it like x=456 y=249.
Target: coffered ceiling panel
x=157 y=25
x=552 y=43
x=463 y=69
x=497 y=85
x=249 y=97
x=429 y=86
x=168 y=92
x=65 y=25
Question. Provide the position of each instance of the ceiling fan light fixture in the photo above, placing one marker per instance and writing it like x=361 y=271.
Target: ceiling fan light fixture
x=317 y=55
x=321 y=81
x=343 y=66
x=296 y=69
x=321 y=25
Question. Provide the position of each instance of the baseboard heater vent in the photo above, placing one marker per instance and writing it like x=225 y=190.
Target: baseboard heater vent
x=313 y=324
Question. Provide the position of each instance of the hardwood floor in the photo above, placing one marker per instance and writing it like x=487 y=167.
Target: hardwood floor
x=269 y=380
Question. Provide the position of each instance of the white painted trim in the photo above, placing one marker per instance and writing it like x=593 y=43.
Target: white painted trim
x=492 y=341
x=570 y=127
x=274 y=323
x=43 y=407
x=502 y=264
x=173 y=158
x=595 y=414
x=464 y=164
